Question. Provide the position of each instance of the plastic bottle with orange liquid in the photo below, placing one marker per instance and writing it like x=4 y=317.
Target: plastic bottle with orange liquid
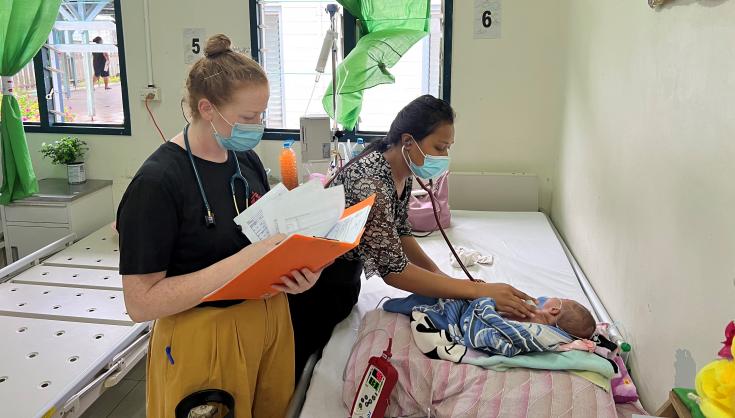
x=289 y=171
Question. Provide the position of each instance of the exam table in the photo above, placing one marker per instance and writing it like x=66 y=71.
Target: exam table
x=65 y=334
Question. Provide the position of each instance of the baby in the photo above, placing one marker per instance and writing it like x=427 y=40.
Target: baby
x=566 y=314
x=446 y=327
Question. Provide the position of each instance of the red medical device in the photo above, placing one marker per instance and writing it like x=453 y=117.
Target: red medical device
x=377 y=383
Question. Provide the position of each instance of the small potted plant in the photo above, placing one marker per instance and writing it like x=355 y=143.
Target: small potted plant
x=70 y=152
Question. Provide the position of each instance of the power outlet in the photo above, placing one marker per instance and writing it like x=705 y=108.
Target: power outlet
x=145 y=92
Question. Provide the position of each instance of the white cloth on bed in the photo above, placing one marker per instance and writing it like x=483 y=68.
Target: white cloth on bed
x=469 y=257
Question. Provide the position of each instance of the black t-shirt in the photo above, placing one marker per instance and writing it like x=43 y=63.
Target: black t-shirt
x=161 y=215
x=98 y=60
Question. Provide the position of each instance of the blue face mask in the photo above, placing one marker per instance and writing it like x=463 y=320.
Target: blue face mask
x=434 y=166
x=244 y=137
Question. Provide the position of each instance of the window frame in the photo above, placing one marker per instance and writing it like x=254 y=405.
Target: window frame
x=349 y=40
x=47 y=122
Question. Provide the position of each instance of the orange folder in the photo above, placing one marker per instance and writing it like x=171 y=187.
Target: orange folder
x=293 y=253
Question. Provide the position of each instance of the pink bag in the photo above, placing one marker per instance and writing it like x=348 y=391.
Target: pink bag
x=420 y=212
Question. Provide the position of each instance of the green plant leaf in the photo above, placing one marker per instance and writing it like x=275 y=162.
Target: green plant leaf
x=67 y=150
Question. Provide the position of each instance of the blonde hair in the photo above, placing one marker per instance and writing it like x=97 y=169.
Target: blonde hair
x=219 y=73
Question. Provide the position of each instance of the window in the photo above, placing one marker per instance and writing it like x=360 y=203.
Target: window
x=25 y=92
x=291 y=37
x=416 y=73
x=76 y=83
x=287 y=37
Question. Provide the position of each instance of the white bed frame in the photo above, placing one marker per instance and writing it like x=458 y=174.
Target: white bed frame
x=65 y=334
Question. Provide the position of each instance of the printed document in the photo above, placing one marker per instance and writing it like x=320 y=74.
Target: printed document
x=309 y=210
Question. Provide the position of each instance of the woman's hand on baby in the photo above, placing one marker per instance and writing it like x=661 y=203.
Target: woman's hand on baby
x=299 y=282
x=509 y=300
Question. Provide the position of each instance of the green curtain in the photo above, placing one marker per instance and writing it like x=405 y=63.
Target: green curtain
x=391 y=28
x=24 y=27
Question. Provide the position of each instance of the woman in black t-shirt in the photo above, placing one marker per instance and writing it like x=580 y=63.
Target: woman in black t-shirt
x=178 y=243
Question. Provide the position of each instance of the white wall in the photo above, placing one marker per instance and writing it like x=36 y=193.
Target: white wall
x=645 y=193
x=118 y=157
x=506 y=92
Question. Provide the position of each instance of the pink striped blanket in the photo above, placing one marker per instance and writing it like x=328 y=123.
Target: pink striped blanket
x=462 y=390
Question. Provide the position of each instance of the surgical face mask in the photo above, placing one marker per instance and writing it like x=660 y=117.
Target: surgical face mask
x=244 y=137
x=434 y=166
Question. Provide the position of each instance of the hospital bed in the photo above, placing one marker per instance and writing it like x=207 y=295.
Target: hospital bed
x=66 y=337
x=64 y=331
x=528 y=254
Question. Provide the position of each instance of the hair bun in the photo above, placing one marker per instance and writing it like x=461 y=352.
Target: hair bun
x=216 y=45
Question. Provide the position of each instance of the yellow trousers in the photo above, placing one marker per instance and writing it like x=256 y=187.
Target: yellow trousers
x=246 y=349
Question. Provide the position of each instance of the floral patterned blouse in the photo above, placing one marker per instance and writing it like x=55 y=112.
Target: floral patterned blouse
x=380 y=248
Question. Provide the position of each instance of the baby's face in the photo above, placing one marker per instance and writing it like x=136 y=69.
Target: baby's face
x=548 y=311
x=566 y=314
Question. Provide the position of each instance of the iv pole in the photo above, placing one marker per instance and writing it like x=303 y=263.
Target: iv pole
x=330 y=45
x=332 y=10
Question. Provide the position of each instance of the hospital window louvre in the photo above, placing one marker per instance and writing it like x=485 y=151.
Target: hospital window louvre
x=56 y=92
x=286 y=39
x=289 y=37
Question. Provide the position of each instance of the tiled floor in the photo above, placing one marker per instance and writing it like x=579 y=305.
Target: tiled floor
x=124 y=400
x=107 y=103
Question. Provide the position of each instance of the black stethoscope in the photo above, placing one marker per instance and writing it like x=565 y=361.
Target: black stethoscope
x=209 y=217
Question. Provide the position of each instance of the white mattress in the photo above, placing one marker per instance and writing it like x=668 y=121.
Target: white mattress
x=527 y=255
x=71 y=277
x=99 y=250
x=63 y=303
x=45 y=360
x=61 y=325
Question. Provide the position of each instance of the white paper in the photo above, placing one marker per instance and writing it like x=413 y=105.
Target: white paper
x=257 y=221
x=194 y=41
x=487 y=19
x=348 y=229
x=310 y=212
